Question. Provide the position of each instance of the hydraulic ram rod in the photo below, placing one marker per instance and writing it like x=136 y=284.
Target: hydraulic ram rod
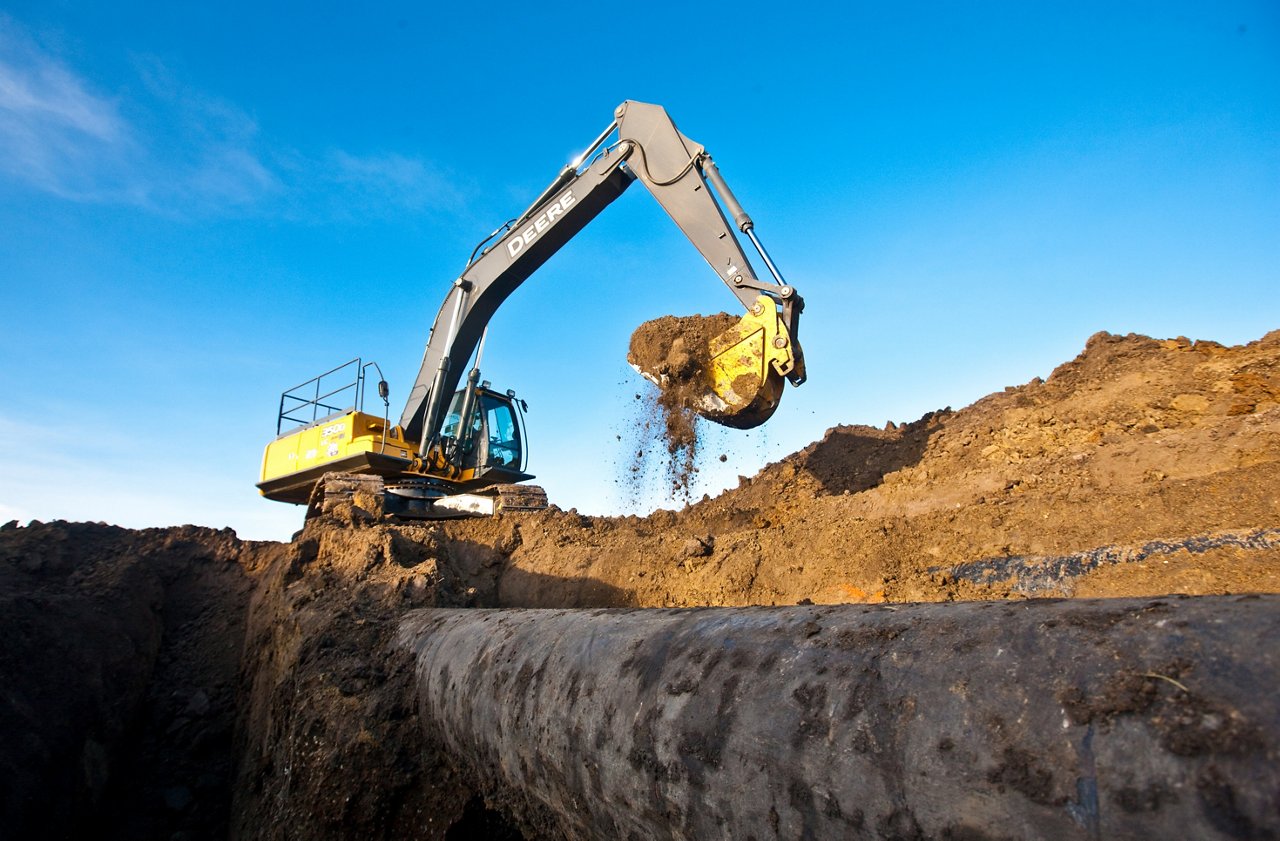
x=1042 y=719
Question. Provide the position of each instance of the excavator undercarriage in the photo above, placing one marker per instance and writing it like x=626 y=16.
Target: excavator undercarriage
x=410 y=499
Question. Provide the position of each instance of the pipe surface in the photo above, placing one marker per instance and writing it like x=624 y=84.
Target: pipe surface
x=1122 y=718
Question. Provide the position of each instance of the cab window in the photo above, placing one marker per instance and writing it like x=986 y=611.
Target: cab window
x=503 y=433
x=465 y=456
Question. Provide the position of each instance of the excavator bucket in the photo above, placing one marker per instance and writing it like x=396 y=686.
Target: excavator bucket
x=736 y=378
x=748 y=361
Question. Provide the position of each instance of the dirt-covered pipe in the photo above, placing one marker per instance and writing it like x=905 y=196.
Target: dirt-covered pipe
x=1041 y=719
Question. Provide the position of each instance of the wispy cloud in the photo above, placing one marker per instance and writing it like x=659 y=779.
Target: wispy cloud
x=55 y=133
x=174 y=149
x=205 y=153
x=344 y=185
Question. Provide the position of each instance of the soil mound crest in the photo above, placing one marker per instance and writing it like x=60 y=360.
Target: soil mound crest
x=1134 y=441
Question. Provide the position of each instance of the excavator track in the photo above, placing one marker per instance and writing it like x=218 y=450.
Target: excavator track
x=521 y=497
x=419 y=500
x=354 y=488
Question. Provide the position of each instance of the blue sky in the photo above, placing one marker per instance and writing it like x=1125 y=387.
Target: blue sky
x=200 y=207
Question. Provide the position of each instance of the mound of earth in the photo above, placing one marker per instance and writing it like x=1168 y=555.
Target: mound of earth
x=184 y=684
x=1142 y=467
x=181 y=683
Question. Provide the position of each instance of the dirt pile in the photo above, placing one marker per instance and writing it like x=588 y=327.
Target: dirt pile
x=1135 y=443
x=328 y=744
x=181 y=683
x=673 y=350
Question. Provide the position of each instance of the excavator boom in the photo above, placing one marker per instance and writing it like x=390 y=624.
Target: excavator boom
x=747 y=366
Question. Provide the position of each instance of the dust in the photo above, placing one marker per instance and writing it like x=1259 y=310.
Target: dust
x=673 y=350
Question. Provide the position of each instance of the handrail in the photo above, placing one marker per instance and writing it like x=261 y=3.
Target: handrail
x=308 y=393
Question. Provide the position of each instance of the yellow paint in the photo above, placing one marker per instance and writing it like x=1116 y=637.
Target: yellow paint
x=748 y=363
x=331 y=441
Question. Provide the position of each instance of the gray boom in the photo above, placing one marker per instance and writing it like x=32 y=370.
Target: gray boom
x=673 y=168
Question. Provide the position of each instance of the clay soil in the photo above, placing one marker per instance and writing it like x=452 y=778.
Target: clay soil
x=184 y=684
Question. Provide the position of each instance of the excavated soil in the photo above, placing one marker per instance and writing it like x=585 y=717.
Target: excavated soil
x=673 y=350
x=1142 y=467
x=118 y=678
x=184 y=684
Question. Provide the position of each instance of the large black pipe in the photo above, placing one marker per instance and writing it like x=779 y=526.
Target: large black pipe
x=1040 y=719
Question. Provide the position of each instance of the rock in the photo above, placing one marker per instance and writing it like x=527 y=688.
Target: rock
x=698 y=547
x=417 y=589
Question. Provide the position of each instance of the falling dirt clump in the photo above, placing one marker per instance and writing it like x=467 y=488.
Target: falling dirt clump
x=673 y=350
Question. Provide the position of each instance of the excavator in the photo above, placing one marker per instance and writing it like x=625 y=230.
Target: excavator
x=461 y=451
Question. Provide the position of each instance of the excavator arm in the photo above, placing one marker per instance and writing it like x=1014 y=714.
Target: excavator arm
x=748 y=362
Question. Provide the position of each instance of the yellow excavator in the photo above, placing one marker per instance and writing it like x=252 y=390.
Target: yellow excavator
x=461 y=451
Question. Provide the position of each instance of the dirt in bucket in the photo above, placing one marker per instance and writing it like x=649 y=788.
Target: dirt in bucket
x=674 y=351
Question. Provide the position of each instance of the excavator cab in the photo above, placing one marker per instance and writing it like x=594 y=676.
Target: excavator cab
x=490 y=445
